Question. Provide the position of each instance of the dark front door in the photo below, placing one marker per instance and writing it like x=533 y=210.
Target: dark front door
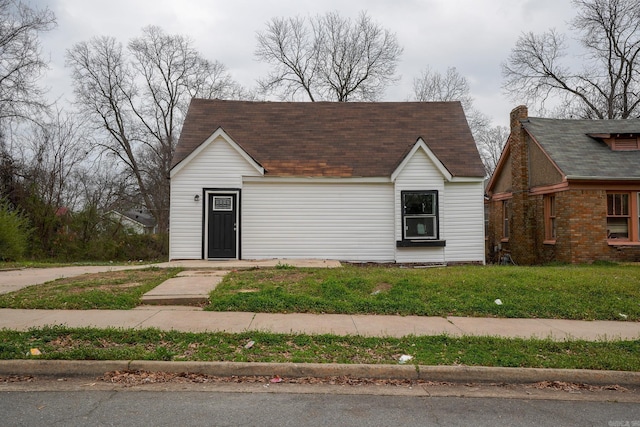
x=222 y=226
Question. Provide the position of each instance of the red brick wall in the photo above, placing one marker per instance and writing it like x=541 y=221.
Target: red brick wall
x=581 y=229
x=589 y=230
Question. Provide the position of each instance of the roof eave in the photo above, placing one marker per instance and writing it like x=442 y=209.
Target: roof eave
x=601 y=178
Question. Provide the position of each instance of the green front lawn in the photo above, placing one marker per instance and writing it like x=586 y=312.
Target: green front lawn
x=589 y=292
x=114 y=290
x=604 y=292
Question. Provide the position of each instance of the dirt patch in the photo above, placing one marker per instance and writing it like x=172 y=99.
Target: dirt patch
x=381 y=287
x=114 y=276
x=287 y=276
x=105 y=287
x=271 y=277
x=112 y=280
x=65 y=342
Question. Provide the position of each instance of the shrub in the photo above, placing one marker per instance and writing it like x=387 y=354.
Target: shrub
x=14 y=232
x=91 y=236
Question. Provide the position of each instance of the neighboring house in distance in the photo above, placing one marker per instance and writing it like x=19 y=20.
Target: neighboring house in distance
x=566 y=191
x=380 y=182
x=135 y=220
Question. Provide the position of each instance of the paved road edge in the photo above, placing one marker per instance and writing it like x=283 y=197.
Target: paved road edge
x=453 y=374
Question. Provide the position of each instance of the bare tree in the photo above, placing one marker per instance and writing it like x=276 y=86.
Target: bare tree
x=328 y=58
x=102 y=187
x=452 y=86
x=46 y=157
x=491 y=141
x=139 y=96
x=54 y=152
x=21 y=62
x=608 y=86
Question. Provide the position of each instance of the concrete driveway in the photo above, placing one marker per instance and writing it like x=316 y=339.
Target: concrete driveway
x=12 y=280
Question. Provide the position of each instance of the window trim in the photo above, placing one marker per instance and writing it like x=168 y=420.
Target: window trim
x=633 y=219
x=506 y=226
x=408 y=241
x=628 y=214
x=550 y=219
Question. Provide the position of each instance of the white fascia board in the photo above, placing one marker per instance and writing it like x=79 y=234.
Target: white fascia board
x=421 y=145
x=316 y=180
x=218 y=133
x=467 y=179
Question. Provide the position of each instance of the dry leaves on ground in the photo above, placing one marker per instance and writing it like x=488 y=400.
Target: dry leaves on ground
x=566 y=386
x=132 y=378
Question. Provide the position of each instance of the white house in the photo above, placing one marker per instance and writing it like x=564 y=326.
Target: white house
x=382 y=182
x=135 y=221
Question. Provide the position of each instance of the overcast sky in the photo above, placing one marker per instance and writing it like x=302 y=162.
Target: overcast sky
x=475 y=36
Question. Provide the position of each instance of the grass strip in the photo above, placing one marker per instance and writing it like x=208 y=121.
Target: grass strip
x=115 y=290
x=62 y=343
x=583 y=292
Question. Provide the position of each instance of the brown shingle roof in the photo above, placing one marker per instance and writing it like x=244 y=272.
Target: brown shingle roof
x=334 y=138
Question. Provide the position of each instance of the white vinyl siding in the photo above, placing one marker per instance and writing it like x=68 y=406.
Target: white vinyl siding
x=218 y=166
x=464 y=226
x=343 y=221
x=420 y=174
x=460 y=214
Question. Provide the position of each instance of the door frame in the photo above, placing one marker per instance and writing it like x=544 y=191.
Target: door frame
x=206 y=192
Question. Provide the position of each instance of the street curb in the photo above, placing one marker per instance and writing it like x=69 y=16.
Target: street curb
x=453 y=374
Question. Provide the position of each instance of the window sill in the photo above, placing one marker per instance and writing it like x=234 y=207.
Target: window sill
x=420 y=243
x=622 y=243
x=504 y=240
x=549 y=242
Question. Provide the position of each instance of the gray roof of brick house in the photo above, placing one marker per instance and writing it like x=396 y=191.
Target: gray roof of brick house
x=338 y=139
x=579 y=156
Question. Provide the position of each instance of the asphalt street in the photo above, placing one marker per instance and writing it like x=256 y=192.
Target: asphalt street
x=207 y=408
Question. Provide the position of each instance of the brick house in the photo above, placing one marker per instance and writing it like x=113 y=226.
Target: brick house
x=566 y=191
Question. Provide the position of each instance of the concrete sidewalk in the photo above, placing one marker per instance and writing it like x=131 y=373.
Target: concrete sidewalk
x=188 y=319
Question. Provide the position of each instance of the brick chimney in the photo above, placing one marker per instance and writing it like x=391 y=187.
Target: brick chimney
x=522 y=222
x=519 y=151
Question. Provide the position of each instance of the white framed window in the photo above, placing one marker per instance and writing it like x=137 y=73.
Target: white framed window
x=420 y=215
x=222 y=203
